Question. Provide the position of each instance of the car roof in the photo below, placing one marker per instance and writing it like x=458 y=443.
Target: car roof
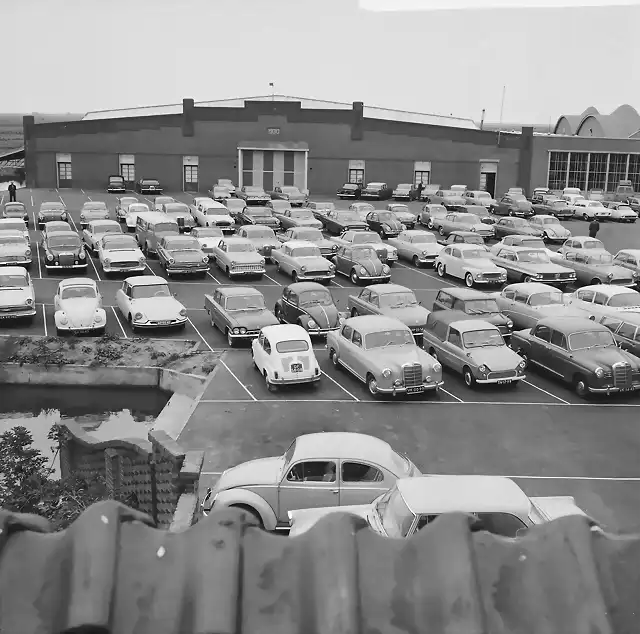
x=385 y=289
x=418 y=232
x=8 y=221
x=90 y=203
x=118 y=236
x=464 y=246
x=610 y=289
x=584 y=239
x=51 y=203
x=57 y=223
x=635 y=252
x=229 y=291
x=178 y=238
x=542 y=216
x=211 y=203
x=236 y=240
x=174 y=203
x=257 y=227
x=145 y=280
x=105 y=222
x=77 y=281
x=460 y=320
x=464 y=234
x=14 y=203
x=530 y=287
x=131 y=198
x=302 y=287
x=521 y=247
x=14 y=270
x=14 y=233
x=373 y=323
x=301 y=243
x=466 y=493
x=344 y=445
x=285 y=332
x=460 y=292
x=569 y=325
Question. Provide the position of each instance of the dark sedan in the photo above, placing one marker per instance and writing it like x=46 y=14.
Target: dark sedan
x=309 y=305
x=63 y=251
x=350 y=191
x=338 y=220
x=384 y=223
x=116 y=184
x=515 y=226
x=376 y=191
x=553 y=206
x=513 y=205
x=148 y=186
x=258 y=215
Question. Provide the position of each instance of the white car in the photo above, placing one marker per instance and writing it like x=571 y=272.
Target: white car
x=133 y=211
x=162 y=200
x=123 y=206
x=416 y=246
x=590 y=209
x=470 y=263
x=17 y=296
x=362 y=209
x=14 y=249
x=403 y=214
x=120 y=253
x=478 y=197
x=208 y=237
x=145 y=301
x=78 y=307
x=15 y=224
x=581 y=244
x=93 y=210
x=622 y=213
x=283 y=355
x=96 y=230
x=386 y=252
x=601 y=300
x=209 y=213
x=551 y=229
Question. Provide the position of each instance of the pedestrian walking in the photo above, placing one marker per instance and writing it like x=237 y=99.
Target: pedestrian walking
x=420 y=188
x=594 y=227
x=12 y=192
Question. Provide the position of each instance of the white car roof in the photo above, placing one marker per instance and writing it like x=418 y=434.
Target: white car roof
x=237 y=240
x=465 y=246
x=11 y=221
x=14 y=233
x=609 y=289
x=212 y=204
x=635 y=252
x=530 y=287
x=285 y=332
x=77 y=281
x=14 y=270
x=145 y=280
x=301 y=243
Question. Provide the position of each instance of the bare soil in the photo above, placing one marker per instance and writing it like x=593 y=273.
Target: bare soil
x=109 y=350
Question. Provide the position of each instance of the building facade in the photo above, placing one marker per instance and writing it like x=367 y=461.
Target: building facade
x=280 y=142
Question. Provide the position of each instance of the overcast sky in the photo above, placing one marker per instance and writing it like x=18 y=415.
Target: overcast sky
x=79 y=55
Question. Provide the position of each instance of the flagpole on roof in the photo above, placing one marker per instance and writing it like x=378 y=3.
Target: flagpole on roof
x=273 y=91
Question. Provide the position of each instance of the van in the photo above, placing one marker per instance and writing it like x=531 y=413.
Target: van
x=151 y=227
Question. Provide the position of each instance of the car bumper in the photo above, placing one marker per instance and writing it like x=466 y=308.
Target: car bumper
x=161 y=323
x=496 y=281
x=185 y=270
x=375 y=278
x=342 y=196
x=321 y=332
x=21 y=262
x=392 y=258
x=116 y=190
x=67 y=267
x=234 y=273
x=80 y=329
x=420 y=389
x=244 y=336
x=114 y=268
x=429 y=259
x=401 y=197
x=614 y=390
x=556 y=238
x=296 y=379
x=506 y=381
x=151 y=191
x=316 y=277
x=13 y=313
x=393 y=233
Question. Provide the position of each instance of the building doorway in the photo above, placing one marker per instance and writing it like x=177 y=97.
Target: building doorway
x=356 y=176
x=489 y=177
x=64 y=176
x=128 y=172
x=190 y=178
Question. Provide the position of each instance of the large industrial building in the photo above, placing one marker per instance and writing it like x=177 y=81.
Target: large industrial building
x=319 y=145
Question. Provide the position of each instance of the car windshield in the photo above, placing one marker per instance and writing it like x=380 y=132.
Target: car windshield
x=120 y=243
x=535 y=243
x=533 y=256
x=116 y=179
x=144 y=291
x=220 y=189
x=364 y=254
x=146 y=181
x=519 y=222
x=208 y=233
x=398 y=300
x=591 y=339
x=559 y=203
x=547 y=298
x=593 y=244
x=401 y=209
x=310 y=235
x=425 y=238
x=549 y=221
x=183 y=245
x=474 y=254
x=225 y=182
x=240 y=247
x=216 y=211
x=364 y=207
x=349 y=186
x=176 y=208
x=137 y=208
x=13 y=280
x=482 y=338
x=263 y=211
x=95 y=206
x=482 y=195
x=18 y=225
x=625 y=209
x=388 y=338
x=65 y=241
x=451 y=194
x=519 y=197
x=78 y=292
x=470 y=240
x=260 y=232
x=301 y=213
x=348 y=216
x=253 y=190
x=366 y=238
x=295 y=345
x=306 y=252
x=107 y=229
x=245 y=302
x=52 y=207
x=600 y=258
x=404 y=186
x=623 y=300
x=128 y=200
x=481 y=307
x=395 y=516
x=386 y=216
x=12 y=239
x=313 y=298
x=14 y=209
x=596 y=204
x=290 y=190
x=167 y=227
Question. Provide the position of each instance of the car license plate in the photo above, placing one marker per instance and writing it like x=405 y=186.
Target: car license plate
x=296 y=367
x=164 y=323
x=415 y=390
x=627 y=389
x=505 y=382
x=9 y=316
x=81 y=332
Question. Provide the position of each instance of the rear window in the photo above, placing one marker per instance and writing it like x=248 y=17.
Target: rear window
x=296 y=345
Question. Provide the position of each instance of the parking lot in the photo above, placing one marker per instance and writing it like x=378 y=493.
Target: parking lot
x=538 y=430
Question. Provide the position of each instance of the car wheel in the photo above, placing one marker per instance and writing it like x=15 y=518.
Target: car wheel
x=511 y=212
x=595 y=280
x=354 y=278
x=416 y=261
x=253 y=361
x=270 y=386
x=372 y=385
x=294 y=276
x=545 y=236
x=468 y=280
x=585 y=217
x=278 y=315
x=523 y=355
x=581 y=386
x=133 y=328
x=230 y=340
x=430 y=225
x=249 y=511
x=333 y=357
x=469 y=379
x=354 y=312
x=441 y=231
x=441 y=269
x=227 y=272
x=527 y=279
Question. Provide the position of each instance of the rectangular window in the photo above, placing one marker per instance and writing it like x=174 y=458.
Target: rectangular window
x=268 y=161
x=128 y=172
x=578 y=169
x=64 y=174
x=191 y=174
x=247 y=167
x=597 y=171
x=289 y=162
x=289 y=179
x=421 y=177
x=356 y=176
x=558 y=170
x=634 y=171
x=617 y=170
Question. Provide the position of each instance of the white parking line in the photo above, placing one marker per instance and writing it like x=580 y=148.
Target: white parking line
x=336 y=283
x=215 y=279
x=95 y=268
x=547 y=393
x=32 y=200
x=38 y=257
x=150 y=269
x=62 y=201
x=82 y=190
x=451 y=395
x=115 y=314
x=355 y=398
x=441 y=403
x=44 y=320
x=274 y=281
x=244 y=387
x=89 y=197
x=409 y=268
x=75 y=226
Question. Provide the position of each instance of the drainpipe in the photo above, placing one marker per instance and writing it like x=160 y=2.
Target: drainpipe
x=154 y=490
x=482 y=120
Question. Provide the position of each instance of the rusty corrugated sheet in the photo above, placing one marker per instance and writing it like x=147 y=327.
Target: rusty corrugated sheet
x=111 y=572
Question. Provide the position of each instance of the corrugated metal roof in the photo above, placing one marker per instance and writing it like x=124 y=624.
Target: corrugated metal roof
x=369 y=112
x=112 y=572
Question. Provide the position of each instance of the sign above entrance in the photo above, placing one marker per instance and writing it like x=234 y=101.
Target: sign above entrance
x=274 y=131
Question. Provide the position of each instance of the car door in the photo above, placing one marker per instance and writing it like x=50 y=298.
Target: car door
x=343 y=260
x=122 y=299
x=583 y=300
x=291 y=305
x=362 y=482
x=507 y=259
x=358 y=358
x=308 y=484
x=455 y=263
x=361 y=304
x=540 y=342
x=218 y=313
x=452 y=350
x=443 y=301
x=161 y=251
x=558 y=358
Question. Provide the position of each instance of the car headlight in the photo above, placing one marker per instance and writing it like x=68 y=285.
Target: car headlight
x=303 y=268
x=436 y=367
x=483 y=369
x=183 y=312
x=82 y=216
x=386 y=227
x=49 y=257
x=312 y=324
x=236 y=331
x=63 y=319
x=172 y=261
x=425 y=254
x=27 y=252
x=473 y=229
x=599 y=372
x=138 y=317
x=386 y=373
x=243 y=331
x=141 y=260
x=610 y=276
x=385 y=269
x=334 y=247
x=205 y=259
x=522 y=365
x=28 y=301
x=98 y=317
x=82 y=255
x=63 y=215
x=263 y=261
x=509 y=323
x=331 y=267
x=363 y=271
x=107 y=261
x=106 y=216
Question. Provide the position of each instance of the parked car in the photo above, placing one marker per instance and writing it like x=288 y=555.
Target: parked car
x=381 y=352
x=385 y=252
x=78 y=309
x=464 y=237
x=146 y=301
x=259 y=216
x=362 y=209
x=50 y=211
x=179 y=212
x=297 y=218
x=462 y=222
x=626 y=331
x=337 y=221
x=523 y=264
x=281 y=206
x=473 y=348
x=95 y=230
x=384 y=223
x=516 y=191
x=350 y=191
x=526 y=303
x=579 y=352
x=628 y=259
x=320 y=209
x=513 y=205
x=64 y=251
x=309 y=305
x=116 y=184
x=263 y=238
x=604 y=299
x=148 y=186
x=120 y=253
x=469 y=263
x=479 y=197
x=14 y=249
x=405 y=191
x=621 y=212
x=17 y=295
x=515 y=226
x=595 y=194
x=584 y=244
x=550 y=227
x=160 y=201
x=133 y=211
x=219 y=193
x=289 y=193
x=539 y=194
x=209 y=213
x=475 y=304
x=362 y=467
x=376 y=191
x=481 y=213
x=238 y=312
x=492 y=503
x=253 y=195
x=238 y=256
x=235 y=207
x=417 y=246
x=228 y=184
x=93 y=210
x=403 y=214
x=634 y=203
x=459 y=188
x=283 y=355
x=56 y=226
x=429 y=190
x=182 y=255
x=430 y=212
x=391 y=300
x=122 y=206
x=19 y=225
x=531 y=242
x=450 y=199
x=16 y=210
x=208 y=237
x=590 y=209
x=327 y=247
x=303 y=261
x=596 y=267
x=553 y=206
x=360 y=263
